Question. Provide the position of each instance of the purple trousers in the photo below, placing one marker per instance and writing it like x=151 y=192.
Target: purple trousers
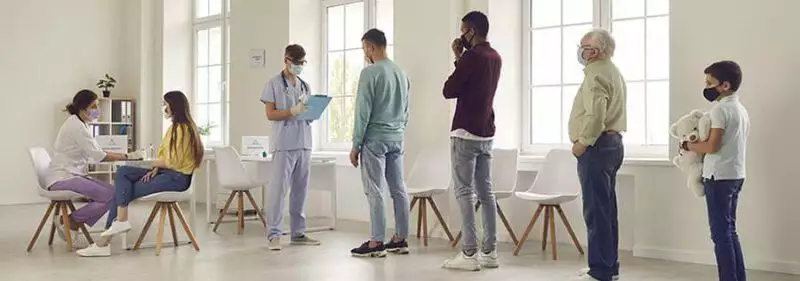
x=100 y=195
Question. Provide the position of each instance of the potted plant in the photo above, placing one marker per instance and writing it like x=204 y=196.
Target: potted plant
x=106 y=84
x=205 y=130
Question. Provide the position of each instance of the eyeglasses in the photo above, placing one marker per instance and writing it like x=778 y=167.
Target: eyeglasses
x=297 y=62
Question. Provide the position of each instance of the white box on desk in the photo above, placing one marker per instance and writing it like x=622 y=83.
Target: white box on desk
x=254 y=145
x=113 y=143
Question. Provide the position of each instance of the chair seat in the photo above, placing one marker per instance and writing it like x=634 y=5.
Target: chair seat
x=425 y=192
x=169 y=196
x=547 y=199
x=244 y=187
x=503 y=194
x=59 y=195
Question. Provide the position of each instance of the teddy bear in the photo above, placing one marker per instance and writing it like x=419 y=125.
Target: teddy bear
x=693 y=127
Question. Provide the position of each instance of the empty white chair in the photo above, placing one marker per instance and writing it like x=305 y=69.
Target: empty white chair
x=504 y=183
x=167 y=204
x=430 y=176
x=555 y=184
x=60 y=200
x=233 y=176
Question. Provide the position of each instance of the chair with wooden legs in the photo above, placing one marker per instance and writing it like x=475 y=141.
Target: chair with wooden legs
x=555 y=184
x=233 y=176
x=430 y=176
x=60 y=201
x=504 y=183
x=167 y=206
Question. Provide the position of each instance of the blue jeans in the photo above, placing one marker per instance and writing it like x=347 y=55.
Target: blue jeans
x=129 y=186
x=722 y=196
x=291 y=170
x=597 y=170
x=382 y=161
x=472 y=162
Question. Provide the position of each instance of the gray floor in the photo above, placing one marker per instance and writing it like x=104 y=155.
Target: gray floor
x=226 y=256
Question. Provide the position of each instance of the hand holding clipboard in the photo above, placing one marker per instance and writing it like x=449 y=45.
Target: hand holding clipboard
x=316 y=106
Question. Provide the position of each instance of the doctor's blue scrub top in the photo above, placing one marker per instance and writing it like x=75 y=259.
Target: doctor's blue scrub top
x=288 y=134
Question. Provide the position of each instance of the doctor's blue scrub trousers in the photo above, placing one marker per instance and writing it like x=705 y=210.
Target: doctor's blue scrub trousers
x=291 y=169
x=597 y=171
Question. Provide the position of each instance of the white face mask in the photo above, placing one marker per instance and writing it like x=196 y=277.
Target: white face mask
x=297 y=69
x=582 y=60
x=166 y=115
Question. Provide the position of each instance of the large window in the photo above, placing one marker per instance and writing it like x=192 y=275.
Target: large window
x=345 y=22
x=211 y=69
x=553 y=75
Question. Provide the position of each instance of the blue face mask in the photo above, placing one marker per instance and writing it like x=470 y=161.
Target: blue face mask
x=297 y=69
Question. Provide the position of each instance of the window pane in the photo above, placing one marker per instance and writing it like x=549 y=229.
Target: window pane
x=354 y=25
x=545 y=107
x=214 y=7
x=657 y=113
x=336 y=28
x=578 y=11
x=202 y=47
x=627 y=9
x=545 y=56
x=546 y=13
x=215 y=45
x=200 y=8
x=629 y=54
x=336 y=73
x=201 y=115
x=201 y=90
x=215 y=121
x=337 y=129
x=215 y=83
x=385 y=19
x=349 y=117
x=658 y=48
x=573 y=70
x=390 y=52
x=657 y=7
x=354 y=61
x=636 y=114
x=568 y=97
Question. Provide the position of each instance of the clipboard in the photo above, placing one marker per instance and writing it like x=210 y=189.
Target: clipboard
x=316 y=106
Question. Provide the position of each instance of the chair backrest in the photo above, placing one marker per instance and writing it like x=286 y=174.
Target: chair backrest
x=230 y=170
x=431 y=170
x=41 y=162
x=559 y=174
x=504 y=169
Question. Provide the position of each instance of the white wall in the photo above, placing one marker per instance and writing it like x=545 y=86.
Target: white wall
x=51 y=49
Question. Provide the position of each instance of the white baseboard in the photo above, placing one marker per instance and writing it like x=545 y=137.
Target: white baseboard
x=707 y=258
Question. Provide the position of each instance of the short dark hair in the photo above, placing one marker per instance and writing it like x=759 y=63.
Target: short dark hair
x=82 y=100
x=478 y=21
x=375 y=36
x=295 y=52
x=726 y=71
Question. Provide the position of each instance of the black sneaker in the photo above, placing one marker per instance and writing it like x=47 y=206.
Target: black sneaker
x=364 y=251
x=400 y=247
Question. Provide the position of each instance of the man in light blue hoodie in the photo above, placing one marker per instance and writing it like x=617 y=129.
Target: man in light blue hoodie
x=380 y=123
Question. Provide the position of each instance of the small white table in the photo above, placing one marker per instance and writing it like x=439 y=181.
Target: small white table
x=323 y=177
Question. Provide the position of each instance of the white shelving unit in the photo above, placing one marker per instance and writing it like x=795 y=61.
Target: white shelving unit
x=118 y=118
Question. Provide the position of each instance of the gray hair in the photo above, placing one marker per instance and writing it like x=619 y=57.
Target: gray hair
x=603 y=40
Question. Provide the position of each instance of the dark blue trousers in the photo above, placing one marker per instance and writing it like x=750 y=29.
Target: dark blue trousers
x=722 y=197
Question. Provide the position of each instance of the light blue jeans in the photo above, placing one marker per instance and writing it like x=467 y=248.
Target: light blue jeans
x=382 y=162
x=290 y=173
x=472 y=162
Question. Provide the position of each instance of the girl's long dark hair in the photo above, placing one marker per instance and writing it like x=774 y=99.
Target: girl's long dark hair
x=179 y=106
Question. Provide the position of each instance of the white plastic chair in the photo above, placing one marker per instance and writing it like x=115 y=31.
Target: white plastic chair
x=504 y=183
x=430 y=176
x=233 y=176
x=60 y=200
x=167 y=203
x=555 y=184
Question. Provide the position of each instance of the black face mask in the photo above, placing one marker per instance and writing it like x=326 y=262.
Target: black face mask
x=466 y=43
x=711 y=94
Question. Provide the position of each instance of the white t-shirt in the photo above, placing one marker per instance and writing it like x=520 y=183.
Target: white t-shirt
x=728 y=163
x=464 y=134
x=75 y=149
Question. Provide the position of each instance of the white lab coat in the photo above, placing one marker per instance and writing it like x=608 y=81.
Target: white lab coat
x=75 y=149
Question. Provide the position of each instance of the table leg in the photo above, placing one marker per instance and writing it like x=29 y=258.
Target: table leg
x=208 y=192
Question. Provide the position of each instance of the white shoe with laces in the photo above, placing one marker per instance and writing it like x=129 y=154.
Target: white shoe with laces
x=95 y=251
x=274 y=244
x=117 y=228
x=78 y=240
x=488 y=260
x=463 y=262
x=585 y=273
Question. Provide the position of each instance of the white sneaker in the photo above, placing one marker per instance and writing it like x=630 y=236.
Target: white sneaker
x=463 y=262
x=117 y=228
x=488 y=260
x=95 y=251
x=585 y=273
x=274 y=244
x=78 y=240
x=60 y=228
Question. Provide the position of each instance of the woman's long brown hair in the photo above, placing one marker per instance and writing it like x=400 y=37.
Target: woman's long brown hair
x=179 y=106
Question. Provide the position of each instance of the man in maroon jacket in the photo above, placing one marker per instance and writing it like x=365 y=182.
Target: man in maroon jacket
x=473 y=84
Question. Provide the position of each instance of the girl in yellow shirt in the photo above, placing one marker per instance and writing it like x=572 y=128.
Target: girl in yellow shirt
x=180 y=153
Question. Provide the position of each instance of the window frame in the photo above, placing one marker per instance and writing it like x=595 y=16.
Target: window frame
x=602 y=18
x=221 y=20
x=370 y=21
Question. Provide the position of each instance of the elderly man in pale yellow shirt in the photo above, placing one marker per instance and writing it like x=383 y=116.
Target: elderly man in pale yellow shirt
x=595 y=128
